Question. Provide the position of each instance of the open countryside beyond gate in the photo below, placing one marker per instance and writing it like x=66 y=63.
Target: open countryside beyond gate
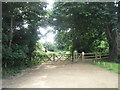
x=64 y=74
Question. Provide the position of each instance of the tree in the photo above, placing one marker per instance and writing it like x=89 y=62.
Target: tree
x=111 y=31
x=87 y=23
x=49 y=46
x=71 y=21
x=20 y=23
x=62 y=41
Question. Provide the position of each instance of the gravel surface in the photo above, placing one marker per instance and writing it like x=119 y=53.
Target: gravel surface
x=63 y=74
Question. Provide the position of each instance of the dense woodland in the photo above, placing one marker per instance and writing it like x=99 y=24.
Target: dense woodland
x=80 y=26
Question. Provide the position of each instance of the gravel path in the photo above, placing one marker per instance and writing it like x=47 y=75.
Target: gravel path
x=63 y=75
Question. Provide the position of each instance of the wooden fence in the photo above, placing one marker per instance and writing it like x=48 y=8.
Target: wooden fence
x=76 y=57
x=90 y=56
x=53 y=57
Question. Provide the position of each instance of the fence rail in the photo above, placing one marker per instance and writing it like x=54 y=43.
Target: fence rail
x=90 y=56
x=75 y=57
x=53 y=57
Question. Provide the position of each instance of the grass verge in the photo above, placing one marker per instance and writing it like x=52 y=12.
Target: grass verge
x=113 y=67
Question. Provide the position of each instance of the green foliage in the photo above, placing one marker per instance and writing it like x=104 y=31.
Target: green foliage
x=39 y=46
x=49 y=46
x=6 y=72
x=11 y=71
x=100 y=46
x=62 y=41
x=20 y=23
x=86 y=26
x=78 y=25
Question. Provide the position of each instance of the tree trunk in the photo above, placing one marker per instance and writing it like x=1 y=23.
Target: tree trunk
x=118 y=45
x=113 y=47
x=72 y=55
x=112 y=39
x=11 y=32
x=118 y=34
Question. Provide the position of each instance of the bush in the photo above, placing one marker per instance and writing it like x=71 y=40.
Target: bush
x=12 y=57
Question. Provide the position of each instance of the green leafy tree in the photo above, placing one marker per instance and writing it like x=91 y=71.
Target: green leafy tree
x=49 y=46
x=62 y=41
x=87 y=23
x=20 y=23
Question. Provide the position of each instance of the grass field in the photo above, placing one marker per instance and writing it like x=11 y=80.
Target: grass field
x=113 y=67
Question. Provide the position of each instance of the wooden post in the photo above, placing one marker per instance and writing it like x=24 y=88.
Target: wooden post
x=53 y=57
x=111 y=66
x=104 y=64
x=79 y=55
x=98 y=62
x=73 y=56
x=100 y=56
x=83 y=56
x=76 y=57
x=96 y=56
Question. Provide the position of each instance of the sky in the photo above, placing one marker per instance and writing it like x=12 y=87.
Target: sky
x=47 y=37
x=50 y=4
x=50 y=36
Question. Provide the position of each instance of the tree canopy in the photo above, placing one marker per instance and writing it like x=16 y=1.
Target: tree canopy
x=81 y=26
x=87 y=25
x=20 y=23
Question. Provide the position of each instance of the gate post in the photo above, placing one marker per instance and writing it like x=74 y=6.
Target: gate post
x=95 y=56
x=75 y=56
x=53 y=57
x=83 y=56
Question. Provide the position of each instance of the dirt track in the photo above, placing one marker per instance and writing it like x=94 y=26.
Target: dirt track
x=64 y=75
